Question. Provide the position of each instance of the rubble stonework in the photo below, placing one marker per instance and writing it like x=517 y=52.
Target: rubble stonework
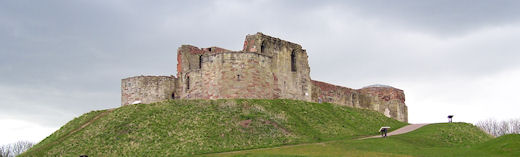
x=147 y=89
x=266 y=68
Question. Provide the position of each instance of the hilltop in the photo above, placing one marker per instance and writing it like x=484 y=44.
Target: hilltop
x=190 y=127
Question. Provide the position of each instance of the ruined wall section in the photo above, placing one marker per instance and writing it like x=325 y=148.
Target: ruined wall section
x=242 y=75
x=290 y=68
x=192 y=78
x=325 y=92
x=216 y=73
x=188 y=58
x=387 y=100
x=384 y=99
x=148 y=89
x=266 y=68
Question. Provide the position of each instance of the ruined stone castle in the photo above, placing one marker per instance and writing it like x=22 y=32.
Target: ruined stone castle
x=266 y=68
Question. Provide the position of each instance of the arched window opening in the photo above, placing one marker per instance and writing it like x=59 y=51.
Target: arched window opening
x=238 y=77
x=200 y=62
x=173 y=95
x=262 y=47
x=293 y=60
x=187 y=83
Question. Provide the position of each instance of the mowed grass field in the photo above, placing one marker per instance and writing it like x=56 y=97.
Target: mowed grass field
x=446 y=139
x=194 y=127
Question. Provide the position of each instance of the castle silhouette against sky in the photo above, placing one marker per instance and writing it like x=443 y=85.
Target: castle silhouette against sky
x=266 y=68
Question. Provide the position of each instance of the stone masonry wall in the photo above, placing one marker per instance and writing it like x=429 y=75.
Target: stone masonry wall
x=384 y=99
x=147 y=89
x=266 y=68
x=243 y=75
x=230 y=75
x=387 y=100
x=324 y=92
x=290 y=66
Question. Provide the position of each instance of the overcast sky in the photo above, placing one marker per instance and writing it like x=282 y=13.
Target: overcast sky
x=60 y=59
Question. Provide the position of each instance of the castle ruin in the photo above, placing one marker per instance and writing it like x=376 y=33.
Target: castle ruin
x=266 y=68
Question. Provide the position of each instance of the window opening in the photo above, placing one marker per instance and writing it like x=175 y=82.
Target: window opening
x=293 y=60
x=187 y=83
x=262 y=47
x=200 y=62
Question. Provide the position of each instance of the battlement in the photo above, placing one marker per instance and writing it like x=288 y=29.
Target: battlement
x=266 y=68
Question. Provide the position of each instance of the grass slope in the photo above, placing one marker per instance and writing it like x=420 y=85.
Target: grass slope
x=188 y=127
x=506 y=145
x=65 y=130
x=446 y=139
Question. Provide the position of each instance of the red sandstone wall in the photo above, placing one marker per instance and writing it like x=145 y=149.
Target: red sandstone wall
x=384 y=93
x=387 y=100
x=326 y=92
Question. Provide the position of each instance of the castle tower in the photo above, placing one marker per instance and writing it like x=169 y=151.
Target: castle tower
x=266 y=68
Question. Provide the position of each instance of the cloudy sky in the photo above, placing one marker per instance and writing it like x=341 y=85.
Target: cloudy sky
x=60 y=59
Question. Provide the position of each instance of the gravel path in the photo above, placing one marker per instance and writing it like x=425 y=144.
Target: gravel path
x=402 y=130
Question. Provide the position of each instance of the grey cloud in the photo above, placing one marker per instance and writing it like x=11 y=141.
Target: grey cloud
x=442 y=16
x=69 y=56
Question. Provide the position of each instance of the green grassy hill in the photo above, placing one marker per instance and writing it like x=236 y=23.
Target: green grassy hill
x=188 y=127
x=506 y=145
x=444 y=139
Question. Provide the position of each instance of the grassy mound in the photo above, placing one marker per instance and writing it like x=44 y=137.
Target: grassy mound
x=447 y=139
x=66 y=130
x=188 y=127
x=445 y=135
x=506 y=145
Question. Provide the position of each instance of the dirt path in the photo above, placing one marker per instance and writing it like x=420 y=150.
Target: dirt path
x=89 y=122
x=75 y=130
x=402 y=130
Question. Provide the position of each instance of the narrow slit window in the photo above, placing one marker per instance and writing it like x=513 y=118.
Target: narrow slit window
x=353 y=99
x=293 y=60
x=200 y=62
x=262 y=47
x=188 y=83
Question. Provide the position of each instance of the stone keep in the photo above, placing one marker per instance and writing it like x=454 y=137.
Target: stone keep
x=266 y=68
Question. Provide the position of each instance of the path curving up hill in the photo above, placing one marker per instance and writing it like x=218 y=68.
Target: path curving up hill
x=401 y=130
